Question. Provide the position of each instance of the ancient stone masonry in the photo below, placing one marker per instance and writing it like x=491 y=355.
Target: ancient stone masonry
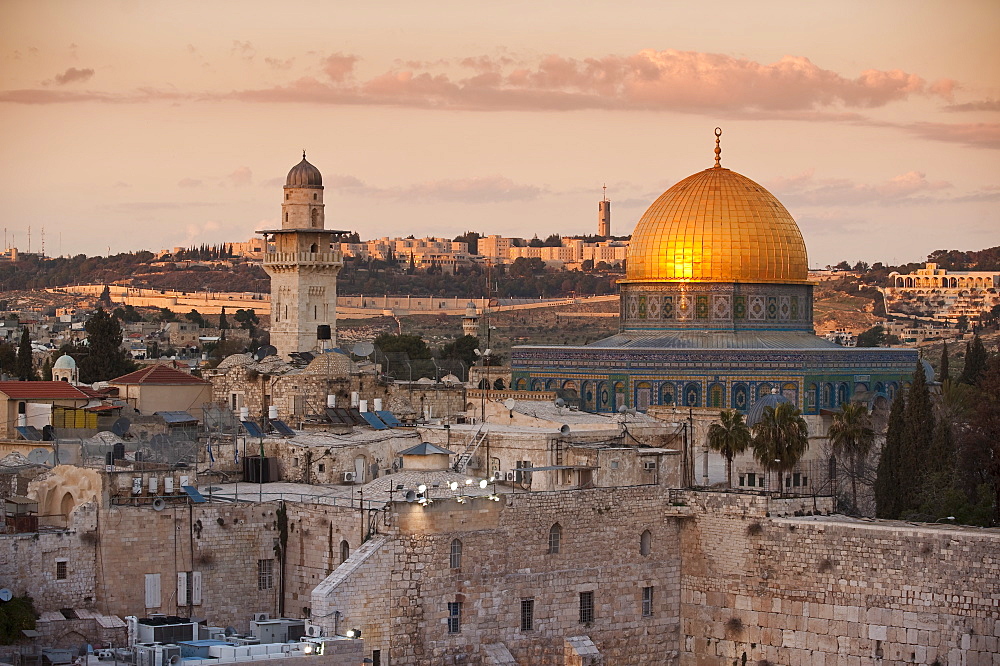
x=801 y=590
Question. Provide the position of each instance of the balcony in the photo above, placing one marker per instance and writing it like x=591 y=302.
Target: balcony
x=303 y=259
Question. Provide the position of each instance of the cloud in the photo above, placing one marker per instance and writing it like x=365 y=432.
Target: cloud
x=141 y=206
x=242 y=177
x=71 y=75
x=976 y=135
x=189 y=182
x=910 y=187
x=196 y=231
x=243 y=50
x=277 y=63
x=979 y=105
x=339 y=66
x=485 y=189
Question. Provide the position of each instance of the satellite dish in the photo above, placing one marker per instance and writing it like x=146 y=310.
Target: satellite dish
x=564 y=429
x=560 y=402
x=159 y=504
x=40 y=456
x=230 y=631
x=411 y=496
x=363 y=349
x=6 y=595
x=509 y=403
x=176 y=659
x=121 y=426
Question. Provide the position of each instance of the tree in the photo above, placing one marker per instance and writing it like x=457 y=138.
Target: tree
x=975 y=362
x=462 y=349
x=943 y=373
x=730 y=437
x=223 y=324
x=780 y=439
x=127 y=314
x=24 y=367
x=195 y=318
x=873 y=337
x=247 y=318
x=8 y=357
x=105 y=296
x=851 y=434
x=887 y=493
x=105 y=358
x=918 y=430
x=47 y=370
x=412 y=345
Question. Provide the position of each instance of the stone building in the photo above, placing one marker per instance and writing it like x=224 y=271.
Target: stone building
x=303 y=265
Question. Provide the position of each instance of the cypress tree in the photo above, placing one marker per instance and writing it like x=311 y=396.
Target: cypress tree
x=916 y=444
x=47 y=370
x=943 y=373
x=105 y=357
x=975 y=362
x=23 y=366
x=223 y=324
x=887 y=491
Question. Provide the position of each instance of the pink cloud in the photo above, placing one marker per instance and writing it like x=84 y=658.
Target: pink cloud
x=339 y=66
x=73 y=75
x=979 y=105
x=977 y=135
x=189 y=182
x=910 y=187
x=242 y=177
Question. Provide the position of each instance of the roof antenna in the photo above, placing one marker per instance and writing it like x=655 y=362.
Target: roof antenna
x=718 y=150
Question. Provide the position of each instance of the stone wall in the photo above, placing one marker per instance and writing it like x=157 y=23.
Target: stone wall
x=812 y=590
x=506 y=559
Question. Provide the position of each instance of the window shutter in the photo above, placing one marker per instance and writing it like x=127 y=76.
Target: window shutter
x=182 y=588
x=196 y=588
x=152 y=590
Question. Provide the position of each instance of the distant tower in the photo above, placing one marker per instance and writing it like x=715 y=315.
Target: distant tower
x=604 y=215
x=303 y=267
x=470 y=322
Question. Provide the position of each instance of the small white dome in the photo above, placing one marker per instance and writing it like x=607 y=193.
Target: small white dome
x=64 y=362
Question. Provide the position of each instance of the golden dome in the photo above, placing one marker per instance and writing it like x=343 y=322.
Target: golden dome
x=717 y=226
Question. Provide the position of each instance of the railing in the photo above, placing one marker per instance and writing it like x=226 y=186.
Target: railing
x=303 y=258
x=478 y=437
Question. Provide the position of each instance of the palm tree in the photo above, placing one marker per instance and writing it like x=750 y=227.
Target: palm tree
x=851 y=434
x=730 y=436
x=780 y=439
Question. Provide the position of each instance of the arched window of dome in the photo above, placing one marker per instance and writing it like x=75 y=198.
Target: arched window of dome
x=520 y=384
x=763 y=389
x=619 y=396
x=667 y=394
x=812 y=397
x=315 y=217
x=555 y=539
x=716 y=396
x=345 y=550
x=842 y=394
x=828 y=396
x=791 y=391
x=692 y=395
x=643 y=396
x=740 y=394
x=551 y=385
x=645 y=543
x=455 y=556
x=537 y=385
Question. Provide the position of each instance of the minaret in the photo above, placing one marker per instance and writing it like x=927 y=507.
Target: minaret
x=303 y=265
x=604 y=215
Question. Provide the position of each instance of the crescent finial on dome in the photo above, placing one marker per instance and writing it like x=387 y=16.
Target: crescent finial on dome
x=718 y=149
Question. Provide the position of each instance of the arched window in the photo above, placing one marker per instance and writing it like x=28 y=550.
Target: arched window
x=314 y=248
x=692 y=395
x=555 y=539
x=715 y=396
x=645 y=543
x=345 y=550
x=455 y=557
x=667 y=394
x=315 y=217
x=740 y=399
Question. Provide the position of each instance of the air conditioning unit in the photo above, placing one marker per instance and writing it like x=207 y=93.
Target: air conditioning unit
x=649 y=465
x=497 y=476
x=475 y=462
x=349 y=477
x=261 y=617
x=510 y=476
x=313 y=630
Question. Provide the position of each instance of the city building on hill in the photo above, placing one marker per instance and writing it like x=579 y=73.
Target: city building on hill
x=943 y=294
x=716 y=312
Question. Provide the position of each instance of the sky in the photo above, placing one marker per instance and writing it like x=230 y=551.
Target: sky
x=134 y=125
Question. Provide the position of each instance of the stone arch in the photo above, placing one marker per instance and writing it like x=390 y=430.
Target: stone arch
x=314 y=248
x=555 y=539
x=455 y=554
x=345 y=550
x=67 y=504
x=314 y=217
x=645 y=543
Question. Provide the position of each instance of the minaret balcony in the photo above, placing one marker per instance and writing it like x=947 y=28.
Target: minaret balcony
x=317 y=259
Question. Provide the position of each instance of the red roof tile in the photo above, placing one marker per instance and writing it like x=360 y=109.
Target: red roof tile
x=42 y=391
x=158 y=374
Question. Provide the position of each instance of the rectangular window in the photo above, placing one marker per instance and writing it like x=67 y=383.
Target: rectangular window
x=152 y=590
x=61 y=566
x=647 y=601
x=586 y=607
x=527 y=614
x=265 y=574
x=454 y=617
